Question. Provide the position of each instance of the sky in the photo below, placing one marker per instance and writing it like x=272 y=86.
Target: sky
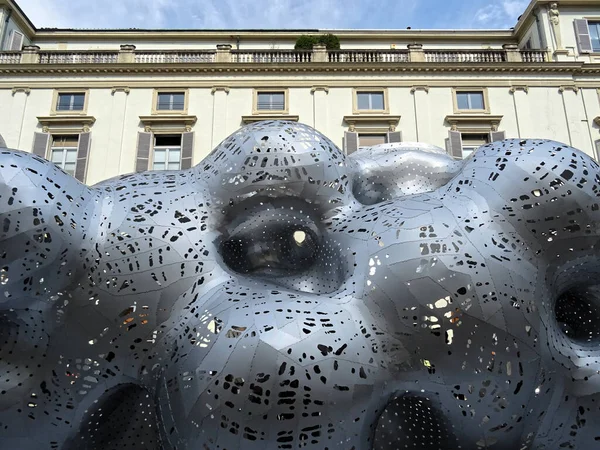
x=298 y=14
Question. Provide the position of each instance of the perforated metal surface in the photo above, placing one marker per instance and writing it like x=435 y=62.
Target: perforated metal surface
x=281 y=295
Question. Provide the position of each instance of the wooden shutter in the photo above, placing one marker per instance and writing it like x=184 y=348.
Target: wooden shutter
x=15 y=41
x=143 y=151
x=497 y=136
x=187 y=149
x=2 y=142
x=83 y=150
x=40 y=144
x=350 y=142
x=394 y=136
x=583 y=35
x=454 y=144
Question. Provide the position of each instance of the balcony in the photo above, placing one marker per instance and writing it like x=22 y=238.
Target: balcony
x=224 y=54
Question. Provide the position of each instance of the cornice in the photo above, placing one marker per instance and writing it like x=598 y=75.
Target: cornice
x=47 y=122
x=490 y=120
x=237 y=68
x=372 y=119
x=185 y=121
x=261 y=117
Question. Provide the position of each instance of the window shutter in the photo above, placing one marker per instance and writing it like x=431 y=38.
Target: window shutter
x=2 y=142
x=187 y=149
x=454 y=144
x=15 y=41
x=143 y=151
x=394 y=136
x=83 y=150
x=597 y=149
x=350 y=142
x=40 y=144
x=497 y=136
x=583 y=35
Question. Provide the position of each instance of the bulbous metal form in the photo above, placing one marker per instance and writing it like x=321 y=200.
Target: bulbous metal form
x=281 y=295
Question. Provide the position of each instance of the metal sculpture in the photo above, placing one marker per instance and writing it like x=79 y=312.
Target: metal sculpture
x=281 y=295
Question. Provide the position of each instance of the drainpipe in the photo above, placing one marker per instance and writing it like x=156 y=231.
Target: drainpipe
x=5 y=28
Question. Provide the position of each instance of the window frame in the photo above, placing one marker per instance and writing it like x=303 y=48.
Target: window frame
x=370 y=133
x=386 y=103
x=65 y=150
x=459 y=90
x=470 y=133
x=286 y=101
x=156 y=111
x=595 y=20
x=151 y=159
x=79 y=112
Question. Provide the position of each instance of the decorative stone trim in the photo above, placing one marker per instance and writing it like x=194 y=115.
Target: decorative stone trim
x=488 y=121
x=419 y=88
x=573 y=88
x=184 y=121
x=371 y=120
x=81 y=123
x=219 y=88
x=523 y=88
x=23 y=89
x=208 y=68
x=258 y=118
x=319 y=88
x=120 y=89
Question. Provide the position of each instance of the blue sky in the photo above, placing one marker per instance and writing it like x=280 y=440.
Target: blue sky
x=274 y=13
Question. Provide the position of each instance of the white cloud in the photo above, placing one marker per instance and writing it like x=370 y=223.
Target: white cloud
x=218 y=13
x=500 y=15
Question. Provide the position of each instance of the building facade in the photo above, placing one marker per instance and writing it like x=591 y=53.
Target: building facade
x=101 y=103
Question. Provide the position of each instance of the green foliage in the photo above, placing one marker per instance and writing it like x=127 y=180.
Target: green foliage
x=306 y=41
x=331 y=41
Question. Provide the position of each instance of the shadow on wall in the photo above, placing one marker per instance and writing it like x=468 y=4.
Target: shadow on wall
x=2 y=142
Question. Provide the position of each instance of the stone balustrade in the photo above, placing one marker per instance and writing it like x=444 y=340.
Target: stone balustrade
x=128 y=54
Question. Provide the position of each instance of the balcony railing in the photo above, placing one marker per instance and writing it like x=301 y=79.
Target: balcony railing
x=10 y=57
x=368 y=56
x=164 y=57
x=534 y=56
x=224 y=54
x=78 y=57
x=465 y=56
x=271 y=56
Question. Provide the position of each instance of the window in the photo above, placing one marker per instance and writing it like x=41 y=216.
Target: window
x=472 y=141
x=370 y=101
x=470 y=100
x=170 y=101
x=368 y=140
x=594 y=28
x=64 y=152
x=70 y=101
x=270 y=101
x=167 y=152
